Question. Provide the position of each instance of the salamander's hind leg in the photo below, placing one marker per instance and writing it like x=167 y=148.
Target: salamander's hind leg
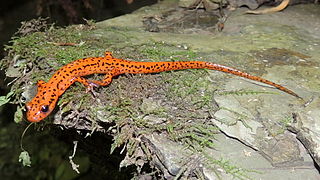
x=86 y=83
x=93 y=83
x=107 y=80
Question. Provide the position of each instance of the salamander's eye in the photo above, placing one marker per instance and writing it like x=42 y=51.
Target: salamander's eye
x=44 y=108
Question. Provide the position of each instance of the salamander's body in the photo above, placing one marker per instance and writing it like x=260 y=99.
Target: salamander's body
x=48 y=93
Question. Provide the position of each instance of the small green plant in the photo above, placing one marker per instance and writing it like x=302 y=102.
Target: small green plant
x=195 y=136
x=229 y=168
x=5 y=99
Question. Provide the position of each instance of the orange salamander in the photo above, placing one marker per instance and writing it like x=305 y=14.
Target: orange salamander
x=48 y=93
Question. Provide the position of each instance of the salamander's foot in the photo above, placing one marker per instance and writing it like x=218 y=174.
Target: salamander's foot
x=90 y=88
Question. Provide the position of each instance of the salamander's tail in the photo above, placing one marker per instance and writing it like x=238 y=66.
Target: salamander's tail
x=226 y=69
x=135 y=67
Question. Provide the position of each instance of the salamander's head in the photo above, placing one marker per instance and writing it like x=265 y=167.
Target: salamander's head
x=42 y=104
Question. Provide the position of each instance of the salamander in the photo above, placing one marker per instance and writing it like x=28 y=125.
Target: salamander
x=49 y=92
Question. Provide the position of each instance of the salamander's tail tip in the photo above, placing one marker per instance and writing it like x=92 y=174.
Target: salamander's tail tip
x=296 y=95
x=288 y=91
x=299 y=97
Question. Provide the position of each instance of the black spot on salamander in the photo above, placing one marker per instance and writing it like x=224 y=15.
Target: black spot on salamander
x=51 y=100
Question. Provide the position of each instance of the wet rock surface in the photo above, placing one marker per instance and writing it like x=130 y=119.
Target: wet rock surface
x=279 y=129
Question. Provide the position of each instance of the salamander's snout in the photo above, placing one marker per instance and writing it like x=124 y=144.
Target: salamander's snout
x=36 y=113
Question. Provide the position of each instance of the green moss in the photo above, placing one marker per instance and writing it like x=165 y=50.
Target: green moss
x=195 y=136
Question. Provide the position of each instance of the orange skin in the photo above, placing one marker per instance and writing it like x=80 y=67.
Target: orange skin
x=48 y=93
